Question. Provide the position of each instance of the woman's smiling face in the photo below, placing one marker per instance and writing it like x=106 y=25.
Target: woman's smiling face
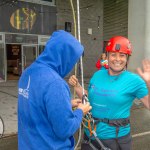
x=117 y=62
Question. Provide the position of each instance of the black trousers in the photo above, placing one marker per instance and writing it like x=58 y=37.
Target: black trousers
x=122 y=143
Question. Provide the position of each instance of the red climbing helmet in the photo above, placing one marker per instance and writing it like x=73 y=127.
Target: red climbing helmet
x=119 y=44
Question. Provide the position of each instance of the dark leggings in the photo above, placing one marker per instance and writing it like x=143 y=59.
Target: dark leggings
x=122 y=143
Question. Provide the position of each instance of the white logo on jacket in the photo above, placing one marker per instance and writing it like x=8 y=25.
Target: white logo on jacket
x=25 y=92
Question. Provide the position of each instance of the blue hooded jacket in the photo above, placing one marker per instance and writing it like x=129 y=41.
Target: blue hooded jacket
x=45 y=117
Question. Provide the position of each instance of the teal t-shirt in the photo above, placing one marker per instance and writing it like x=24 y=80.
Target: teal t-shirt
x=112 y=97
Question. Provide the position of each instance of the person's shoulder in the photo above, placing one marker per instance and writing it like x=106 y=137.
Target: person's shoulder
x=129 y=73
x=101 y=72
x=47 y=75
x=133 y=75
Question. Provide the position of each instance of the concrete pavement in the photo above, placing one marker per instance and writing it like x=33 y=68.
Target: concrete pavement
x=140 y=119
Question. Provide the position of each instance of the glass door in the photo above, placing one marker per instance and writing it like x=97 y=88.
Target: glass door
x=28 y=55
x=2 y=63
x=41 y=48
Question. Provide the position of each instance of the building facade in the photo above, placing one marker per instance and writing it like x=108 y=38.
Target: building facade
x=24 y=30
x=28 y=24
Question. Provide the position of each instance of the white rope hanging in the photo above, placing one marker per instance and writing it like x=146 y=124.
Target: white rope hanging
x=75 y=34
x=79 y=38
x=81 y=65
x=81 y=61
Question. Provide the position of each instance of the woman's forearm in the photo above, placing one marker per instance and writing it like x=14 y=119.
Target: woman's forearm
x=79 y=90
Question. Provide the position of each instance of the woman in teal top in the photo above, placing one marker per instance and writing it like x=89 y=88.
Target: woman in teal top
x=111 y=94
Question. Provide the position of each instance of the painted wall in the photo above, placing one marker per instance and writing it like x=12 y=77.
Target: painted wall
x=91 y=13
x=115 y=18
x=139 y=31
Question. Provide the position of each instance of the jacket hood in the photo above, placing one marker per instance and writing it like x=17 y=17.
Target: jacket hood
x=61 y=53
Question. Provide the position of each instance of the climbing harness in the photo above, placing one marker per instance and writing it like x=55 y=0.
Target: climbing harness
x=89 y=123
x=117 y=123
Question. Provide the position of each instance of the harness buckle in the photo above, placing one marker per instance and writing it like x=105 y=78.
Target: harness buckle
x=125 y=122
x=105 y=120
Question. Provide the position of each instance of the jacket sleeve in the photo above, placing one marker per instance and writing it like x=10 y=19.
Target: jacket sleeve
x=98 y=64
x=64 y=121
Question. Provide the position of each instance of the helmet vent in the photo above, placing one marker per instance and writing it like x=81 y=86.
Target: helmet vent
x=117 y=47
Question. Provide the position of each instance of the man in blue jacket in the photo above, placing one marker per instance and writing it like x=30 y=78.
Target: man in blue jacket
x=45 y=117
